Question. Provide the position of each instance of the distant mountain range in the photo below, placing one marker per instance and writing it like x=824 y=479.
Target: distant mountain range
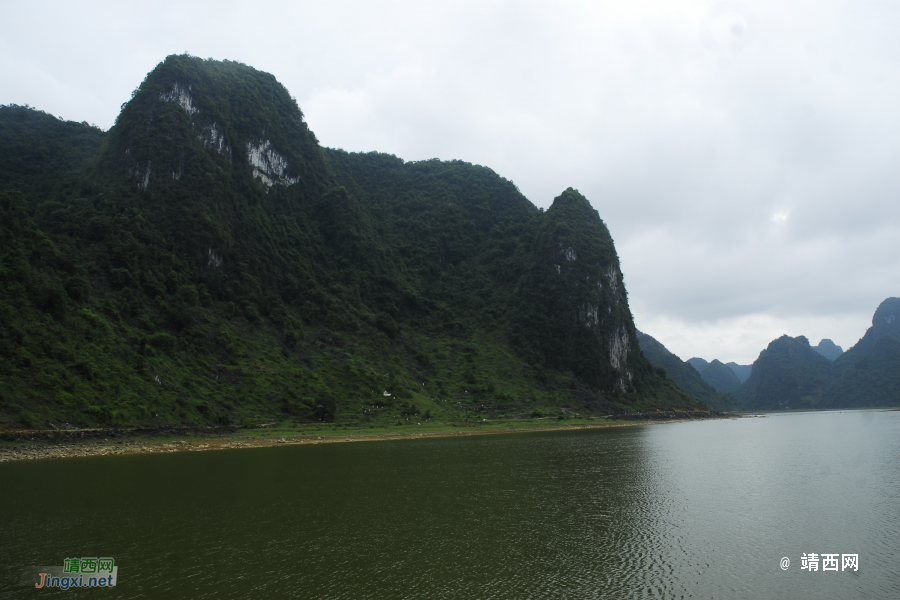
x=686 y=375
x=792 y=374
x=742 y=371
x=718 y=378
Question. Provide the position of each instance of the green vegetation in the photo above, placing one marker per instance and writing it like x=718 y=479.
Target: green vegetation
x=685 y=375
x=151 y=275
x=40 y=153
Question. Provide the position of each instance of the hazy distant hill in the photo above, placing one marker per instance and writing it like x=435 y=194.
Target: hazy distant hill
x=742 y=371
x=716 y=374
x=788 y=374
x=791 y=374
x=720 y=377
x=828 y=349
x=698 y=363
x=208 y=261
x=684 y=374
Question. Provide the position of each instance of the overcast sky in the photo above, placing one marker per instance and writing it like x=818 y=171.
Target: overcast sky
x=745 y=155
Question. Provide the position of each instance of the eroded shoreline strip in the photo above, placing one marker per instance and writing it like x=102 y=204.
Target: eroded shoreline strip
x=105 y=447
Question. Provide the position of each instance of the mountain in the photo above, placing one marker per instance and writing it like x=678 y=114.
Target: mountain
x=742 y=371
x=207 y=261
x=788 y=374
x=720 y=377
x=698 y=363
x=684 y=374
x=792 y=374
x=39 y=152
x=885 y=324
x=828 y=349
x=716 y=374
x=869 y=372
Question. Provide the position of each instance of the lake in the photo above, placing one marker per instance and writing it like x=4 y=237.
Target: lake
x=684 y=510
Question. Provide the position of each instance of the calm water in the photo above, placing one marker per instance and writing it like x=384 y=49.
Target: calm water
x=688 y=510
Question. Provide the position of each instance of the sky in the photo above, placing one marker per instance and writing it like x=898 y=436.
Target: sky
x=740 y=152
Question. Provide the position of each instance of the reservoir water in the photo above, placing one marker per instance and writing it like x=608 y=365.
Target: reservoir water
x=684 y=510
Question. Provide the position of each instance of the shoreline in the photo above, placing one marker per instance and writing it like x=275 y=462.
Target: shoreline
x=97 y=445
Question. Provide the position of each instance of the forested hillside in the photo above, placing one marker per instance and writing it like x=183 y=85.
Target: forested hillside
x=720 y=376
x=207 y=261
x=685 y=375
x=788 y=374
x=869 y=372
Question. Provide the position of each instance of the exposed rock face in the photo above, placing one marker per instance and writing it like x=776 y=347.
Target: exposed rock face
x=612 y=278
x=268 y=164
x=141 y=174
x=215 y=261
x=182 y=95
x=212 y=136
x=619 y=346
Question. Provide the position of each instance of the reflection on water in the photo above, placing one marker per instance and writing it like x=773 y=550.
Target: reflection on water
x=700 y=510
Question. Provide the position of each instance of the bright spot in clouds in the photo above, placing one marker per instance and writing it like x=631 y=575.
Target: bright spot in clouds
x=780 y=217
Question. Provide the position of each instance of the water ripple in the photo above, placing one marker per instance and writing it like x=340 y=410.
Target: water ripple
x=691 y=510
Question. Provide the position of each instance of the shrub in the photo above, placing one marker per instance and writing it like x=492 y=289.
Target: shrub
x=290 y=339
x=163 y=341
x=188 y=294
x=77 y=288
x=26 y=417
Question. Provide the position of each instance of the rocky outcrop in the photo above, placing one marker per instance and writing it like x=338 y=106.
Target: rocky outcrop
x=182 y=95
x=268 y=165
x=213 y=136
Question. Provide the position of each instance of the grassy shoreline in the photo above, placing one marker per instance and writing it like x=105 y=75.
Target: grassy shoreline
x=102 y=442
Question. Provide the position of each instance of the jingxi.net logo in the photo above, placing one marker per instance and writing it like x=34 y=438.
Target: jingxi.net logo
x=79 y=572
